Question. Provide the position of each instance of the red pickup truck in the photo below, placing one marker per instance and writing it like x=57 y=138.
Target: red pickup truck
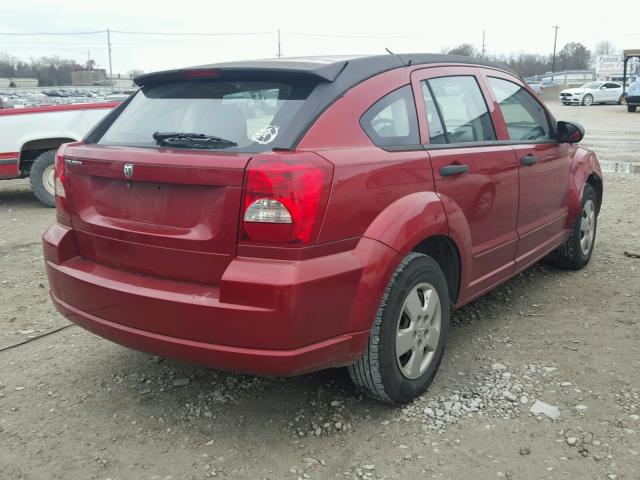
x=282 y=216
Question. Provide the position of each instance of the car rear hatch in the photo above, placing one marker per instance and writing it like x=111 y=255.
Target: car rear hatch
x=174 y=213
x=156 y=187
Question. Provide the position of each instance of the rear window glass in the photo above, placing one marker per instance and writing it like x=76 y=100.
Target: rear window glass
x=250 y=114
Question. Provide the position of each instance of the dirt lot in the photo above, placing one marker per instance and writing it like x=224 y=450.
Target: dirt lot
x=73 y=406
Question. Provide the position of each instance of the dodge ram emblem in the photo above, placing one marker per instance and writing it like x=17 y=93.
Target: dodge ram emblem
x=128 y=170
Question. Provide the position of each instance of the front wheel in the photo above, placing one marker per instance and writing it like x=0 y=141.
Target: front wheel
x=587 y=100
x=576 y=251
x=631 y=108
x=409 y=333
x=42 y=177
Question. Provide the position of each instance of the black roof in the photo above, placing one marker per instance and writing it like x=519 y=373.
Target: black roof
x=325 y=68
x=334 y=75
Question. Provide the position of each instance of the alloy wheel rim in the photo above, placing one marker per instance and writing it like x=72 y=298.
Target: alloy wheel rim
x=587 y=226
x=418 y=330
x=588 y=100
x=48 y=179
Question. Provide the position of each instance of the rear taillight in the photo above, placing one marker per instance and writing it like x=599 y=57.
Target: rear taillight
x=60 y=179
x=285 y=196
x=61 y=183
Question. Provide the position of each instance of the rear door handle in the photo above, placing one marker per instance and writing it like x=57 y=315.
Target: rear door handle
x=528 y=160
x=449 y=170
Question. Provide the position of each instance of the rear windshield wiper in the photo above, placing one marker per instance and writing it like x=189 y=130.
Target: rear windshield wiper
x=191 y=140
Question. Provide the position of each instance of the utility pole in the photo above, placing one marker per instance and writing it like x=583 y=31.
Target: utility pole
x=553 y=60
x=279 y=46
x=483 y=45
x=109 y=49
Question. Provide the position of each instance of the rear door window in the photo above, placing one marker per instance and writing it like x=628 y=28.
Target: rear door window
x=392 y=120
x=250 y=114
x=464 y=116
x=525 y=118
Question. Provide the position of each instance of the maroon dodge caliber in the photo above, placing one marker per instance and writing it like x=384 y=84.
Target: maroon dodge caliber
x=281 y=216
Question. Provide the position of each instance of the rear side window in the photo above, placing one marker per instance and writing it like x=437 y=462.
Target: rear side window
x=392 y=120
x=463 y=111
x=524 y=116
x=250 y=114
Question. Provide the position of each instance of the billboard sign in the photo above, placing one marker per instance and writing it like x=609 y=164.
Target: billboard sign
x=608 y=66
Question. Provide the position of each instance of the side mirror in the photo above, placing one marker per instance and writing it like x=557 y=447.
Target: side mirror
x=569 y=132
x=603 y=88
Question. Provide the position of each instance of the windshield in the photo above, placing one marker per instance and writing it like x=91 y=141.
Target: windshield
x=634 y=88
x=249 y=116
x=592 y=85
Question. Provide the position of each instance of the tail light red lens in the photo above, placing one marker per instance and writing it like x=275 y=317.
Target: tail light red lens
x=59 y=176
x=285 y=196
x=61 y=184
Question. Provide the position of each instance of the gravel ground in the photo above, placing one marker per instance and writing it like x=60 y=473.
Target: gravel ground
x=563 y=344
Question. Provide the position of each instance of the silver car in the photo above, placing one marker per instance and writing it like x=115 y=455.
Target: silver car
x=592 y=92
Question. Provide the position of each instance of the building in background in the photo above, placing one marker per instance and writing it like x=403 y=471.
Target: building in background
x=564 y=77
x=87 y=77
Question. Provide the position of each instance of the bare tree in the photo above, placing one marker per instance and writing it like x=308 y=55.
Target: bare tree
x=605 y=47
x=465 y=49
x=574 y=56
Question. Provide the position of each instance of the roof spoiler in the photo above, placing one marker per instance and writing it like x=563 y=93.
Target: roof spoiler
x=255 y=70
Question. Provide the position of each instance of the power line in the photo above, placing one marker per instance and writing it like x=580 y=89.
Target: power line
x=25 y=34
x=332 y=35
x=193 y=34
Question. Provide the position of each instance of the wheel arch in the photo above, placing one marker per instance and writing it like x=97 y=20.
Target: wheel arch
x=585 y=169
x=596 y=182
x=31 y=149
x=445 y=252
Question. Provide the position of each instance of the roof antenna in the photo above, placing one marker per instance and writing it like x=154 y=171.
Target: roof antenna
x=406 y=64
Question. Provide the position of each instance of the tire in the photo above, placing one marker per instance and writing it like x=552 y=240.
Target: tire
x=631 y=108
x=587 y=100
x=41 y=178
x=573 y=255
x=382 y=374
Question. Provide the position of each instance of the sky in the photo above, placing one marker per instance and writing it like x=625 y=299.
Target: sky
x=307 y=28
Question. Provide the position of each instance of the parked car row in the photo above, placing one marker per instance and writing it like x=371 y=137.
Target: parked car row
x=58 y=97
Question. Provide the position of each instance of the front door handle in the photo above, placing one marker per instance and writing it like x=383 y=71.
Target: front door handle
x=528 y=160
x=449 y=170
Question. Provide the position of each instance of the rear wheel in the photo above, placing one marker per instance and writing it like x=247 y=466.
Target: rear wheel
x=631 y=108
x=577 y=250
x=41 y=178
x=587 y=100
x=408 y=335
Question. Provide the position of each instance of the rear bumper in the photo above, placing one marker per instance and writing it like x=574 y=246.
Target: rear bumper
x=266 y=317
